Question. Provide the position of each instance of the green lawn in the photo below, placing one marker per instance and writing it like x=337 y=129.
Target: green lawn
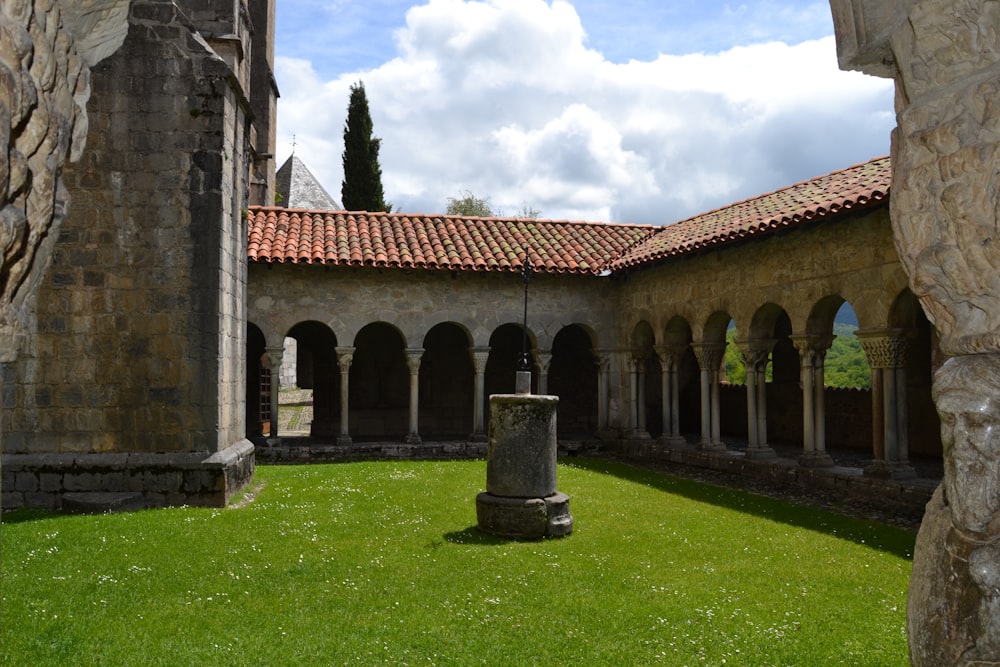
x=381 y=564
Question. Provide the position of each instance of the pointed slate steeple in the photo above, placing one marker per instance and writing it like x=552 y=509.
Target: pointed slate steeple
x=300 y=189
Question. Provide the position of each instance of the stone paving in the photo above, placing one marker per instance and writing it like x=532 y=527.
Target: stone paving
x=295 y=412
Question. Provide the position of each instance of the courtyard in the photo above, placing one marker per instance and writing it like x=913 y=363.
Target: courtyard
x=380 y=563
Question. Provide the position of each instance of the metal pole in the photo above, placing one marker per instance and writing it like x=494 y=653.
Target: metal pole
x=525 y=363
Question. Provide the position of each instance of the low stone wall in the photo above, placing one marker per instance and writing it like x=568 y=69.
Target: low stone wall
x=123 y=480
x=909 y=496
x=307 y=452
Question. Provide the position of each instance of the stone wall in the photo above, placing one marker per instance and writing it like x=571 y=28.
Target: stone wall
x=46 y=49
x=798 y=271
x=140 y=334
x=853 y=258
x=347 y=299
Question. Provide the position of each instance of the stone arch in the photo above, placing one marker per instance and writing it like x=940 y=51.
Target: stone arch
x=677 y=337
x=820 y=322
x=647 y=394
x=379 y=383
x=782 y=393
x=257 y=403
x=316 y=369
x=447 y=375
x=573 y=378
x=506 y=343
x=847 y=397
x=922 y=360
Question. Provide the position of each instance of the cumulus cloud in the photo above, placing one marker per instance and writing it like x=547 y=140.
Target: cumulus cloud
x=506 y=100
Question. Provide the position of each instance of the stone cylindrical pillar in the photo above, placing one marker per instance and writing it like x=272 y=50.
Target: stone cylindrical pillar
x=521 y=499
x=521 y=460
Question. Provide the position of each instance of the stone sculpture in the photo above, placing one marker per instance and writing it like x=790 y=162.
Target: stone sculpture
x=46 y=50
x=945 y=58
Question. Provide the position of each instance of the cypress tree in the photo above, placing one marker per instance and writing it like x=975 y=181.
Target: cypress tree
x=362 y=186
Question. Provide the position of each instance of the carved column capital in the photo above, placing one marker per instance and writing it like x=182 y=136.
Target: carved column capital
x=480 y=356
x=543 y=358
x=274 y=355
x=345 y=357
x=812 y=348
x=884 y=348
x=709 y=355
x=602 y=359
x=413 y=356
x=756 y=352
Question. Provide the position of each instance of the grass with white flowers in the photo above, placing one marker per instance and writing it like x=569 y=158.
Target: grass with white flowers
x=381 y=564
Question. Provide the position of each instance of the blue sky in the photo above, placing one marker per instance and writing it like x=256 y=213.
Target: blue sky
x=629 y=111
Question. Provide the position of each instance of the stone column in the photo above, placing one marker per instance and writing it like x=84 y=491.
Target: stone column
x=640 y=401
x=710 y=355
x=603 y=364
x=812 y=352
x=345 y=356
x=413 y=356
x=543 y=358
x=886 y=353
x=274 y=355
x=676 y=356
x=945 y=59
x=663 y=352
x=756 y=355
x=633 y=394
x=480 y=356
x=637 y=393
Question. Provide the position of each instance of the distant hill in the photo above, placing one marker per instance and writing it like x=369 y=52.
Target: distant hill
x=845 y=366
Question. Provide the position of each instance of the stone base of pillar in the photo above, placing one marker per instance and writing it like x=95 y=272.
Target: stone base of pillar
x=711 y=446
x=412 y=439
x=878 y=470
x=344 y=440
x=674 y=441
x=638 y=435
x=272 y=442
x=477 y=437
x=524 y=518
x=815 y=460
x=903 y=471
x=125 y=481
x=760 y=453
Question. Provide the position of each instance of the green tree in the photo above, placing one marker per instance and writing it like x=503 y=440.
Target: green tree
x=846 y=364
x=469 y=205
x=362 y=186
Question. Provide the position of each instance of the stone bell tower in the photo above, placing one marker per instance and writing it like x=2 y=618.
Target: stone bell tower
x=132 y=386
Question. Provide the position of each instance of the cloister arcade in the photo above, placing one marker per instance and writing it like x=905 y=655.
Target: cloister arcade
x=634 y=351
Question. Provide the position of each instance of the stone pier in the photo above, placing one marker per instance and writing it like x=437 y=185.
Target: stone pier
x=521 y=500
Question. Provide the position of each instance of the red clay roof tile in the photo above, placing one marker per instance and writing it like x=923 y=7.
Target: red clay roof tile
x=441 y=242
x=842 y=192
x=344 y=238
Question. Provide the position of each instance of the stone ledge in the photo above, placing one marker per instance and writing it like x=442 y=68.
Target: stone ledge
x=908 y=495
x=46 y=481
x=291 y=452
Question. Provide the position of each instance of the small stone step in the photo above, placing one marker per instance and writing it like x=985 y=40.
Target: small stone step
x=100 y=502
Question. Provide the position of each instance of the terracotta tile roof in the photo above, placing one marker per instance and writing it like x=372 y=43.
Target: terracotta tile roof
x=342 y=238
x=844 y=191
x=456 y=243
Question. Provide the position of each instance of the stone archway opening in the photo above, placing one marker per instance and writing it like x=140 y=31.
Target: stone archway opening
x=314 y=408
x=447 y=375
x=922 y=359
x=258 y=402
x=379 y=384
x=573 y=378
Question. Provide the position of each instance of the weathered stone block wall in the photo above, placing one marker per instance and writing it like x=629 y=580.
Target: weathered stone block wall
x=347 y=299
x=849 y=419
x=140 y=335
x=853 y=258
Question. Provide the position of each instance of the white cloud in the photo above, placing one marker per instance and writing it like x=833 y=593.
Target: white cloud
x=504 y=99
